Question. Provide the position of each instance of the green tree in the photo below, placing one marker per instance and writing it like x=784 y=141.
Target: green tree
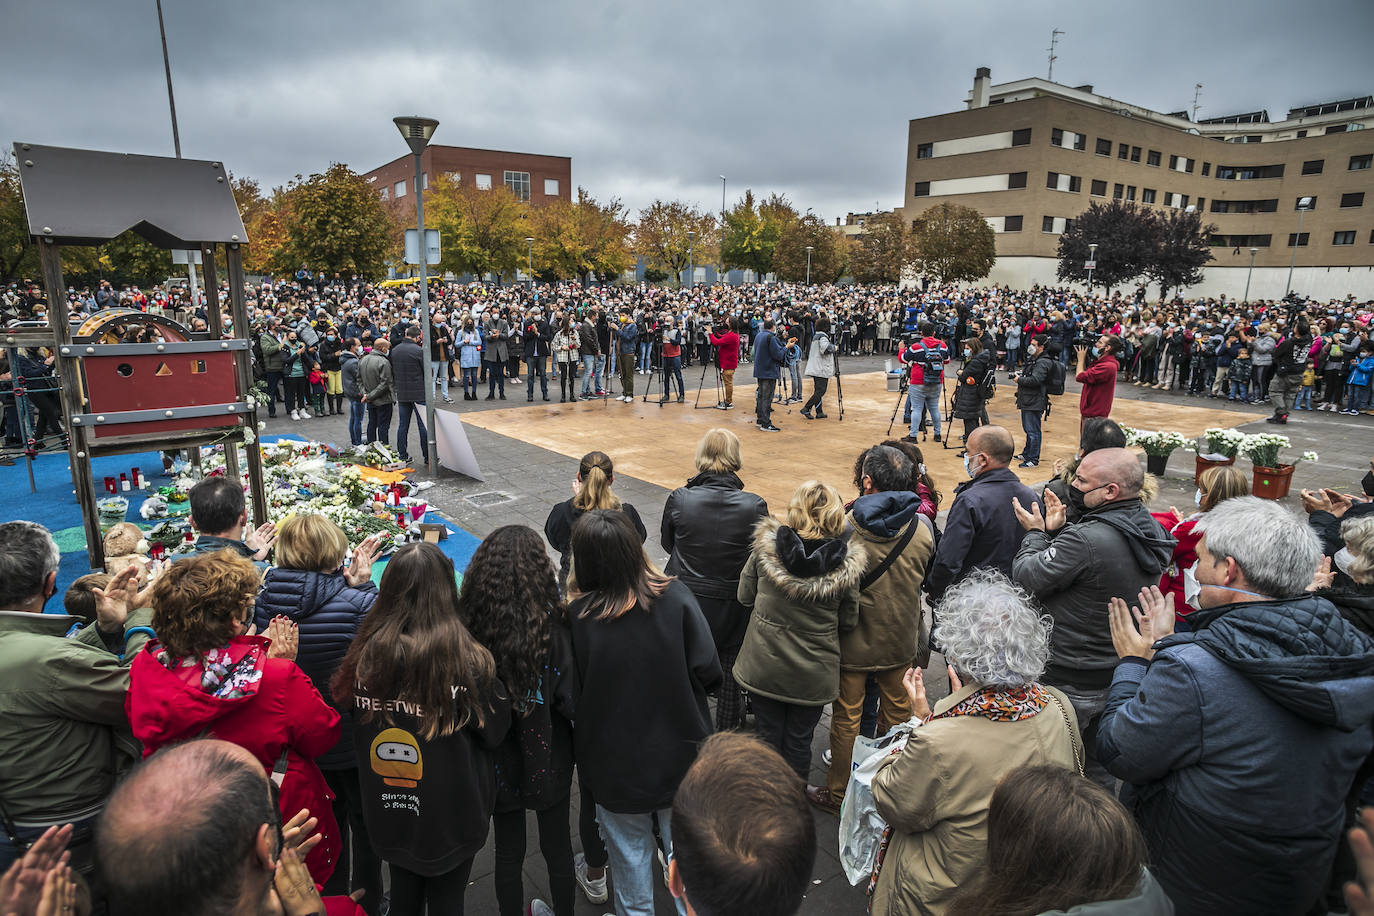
x=1181 y=251
x=334 y=221
x=661 y=238
x=880 y=253
x=790 y=257
x=1126 y=236
x=953 y=243
x=752 y=231
x=135 y=260
x=18 y=254
x=480 y=231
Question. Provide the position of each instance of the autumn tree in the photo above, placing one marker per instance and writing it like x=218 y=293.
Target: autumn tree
x=1126 y=237
x=790 y=256
x=661 y=236
x=481 y=231
x=335 y=222
x=880 y=253
x=1181 y=250
x=953 y=243
x=752 y=230
x=580 y=238
x=18 y=254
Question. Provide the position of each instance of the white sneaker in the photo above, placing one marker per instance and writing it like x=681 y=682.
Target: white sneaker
x=295 y=414
x=594 y=889
x=539 y=908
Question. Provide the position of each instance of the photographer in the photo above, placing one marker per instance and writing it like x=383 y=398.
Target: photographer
x=1099 y=380
x=671 y=339
x=727 y=356
x=1032 y=396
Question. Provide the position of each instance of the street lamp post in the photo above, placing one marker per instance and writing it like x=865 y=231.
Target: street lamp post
x=1092 y=258
x=809 y=249
x=691 y=258
x=722 y=228
x=529 y=259
x=1304 y=204
x=1253 y=252
x=417 y=132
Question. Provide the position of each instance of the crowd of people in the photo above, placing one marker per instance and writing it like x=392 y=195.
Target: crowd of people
x=1146 y=713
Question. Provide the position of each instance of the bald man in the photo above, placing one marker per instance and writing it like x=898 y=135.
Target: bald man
x=1115 y=549
x=981 y=531
x=194 y=830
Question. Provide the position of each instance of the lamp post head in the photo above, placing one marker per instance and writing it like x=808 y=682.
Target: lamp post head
x=1253 y=252
x=416 y=130
x=1304 y=203
x=1092 y=246
x=810 y=248
x=529 y=240
x=691 y=234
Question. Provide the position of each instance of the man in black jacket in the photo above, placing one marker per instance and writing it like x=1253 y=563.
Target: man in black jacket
x=1032 y=397
x=1290 y=359
x=408 y=370
x=538 y=336
x=1074 y=571
x=352 y=389
x=981 y=531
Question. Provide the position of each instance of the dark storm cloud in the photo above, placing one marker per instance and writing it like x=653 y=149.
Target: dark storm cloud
x=807 y=98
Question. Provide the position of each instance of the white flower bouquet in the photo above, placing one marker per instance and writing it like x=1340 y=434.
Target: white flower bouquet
x=1159 y=443
x=1222 y=443
x=1263 y=449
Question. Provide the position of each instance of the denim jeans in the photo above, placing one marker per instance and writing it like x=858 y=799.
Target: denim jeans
x=535 y=365
x=633 y=854
x=496 y=375
x=928 y=396
x=672 y=369
x=410 y=409
x=1304 y=401
x=439 y=372
x=589 y=374
x=646 y=349
x=1358 y=398
x=599 y=374
x=273 y=382
x=1030 y=424
x=470 y=381
x=356 y=411
x=379 y=423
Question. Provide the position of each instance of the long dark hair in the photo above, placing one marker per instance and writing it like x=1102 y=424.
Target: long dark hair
x=1055 y=840
x=610 y=567
x=912 y=451
x=509 y=601
x=413 y=646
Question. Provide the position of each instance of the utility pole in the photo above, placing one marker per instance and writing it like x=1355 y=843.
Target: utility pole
x=1197 y=94
x=1054 y=41
x=176 y=144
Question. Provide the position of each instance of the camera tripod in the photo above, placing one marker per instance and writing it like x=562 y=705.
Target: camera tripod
x=714 y=361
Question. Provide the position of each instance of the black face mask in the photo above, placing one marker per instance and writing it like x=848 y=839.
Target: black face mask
x=1077 y=497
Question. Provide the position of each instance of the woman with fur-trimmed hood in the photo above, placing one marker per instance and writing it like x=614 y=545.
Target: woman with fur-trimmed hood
x=802 y=582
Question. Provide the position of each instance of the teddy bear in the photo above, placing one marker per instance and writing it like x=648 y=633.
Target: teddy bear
x=125 y=546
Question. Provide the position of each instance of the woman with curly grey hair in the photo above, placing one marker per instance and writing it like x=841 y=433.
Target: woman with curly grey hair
x=935 y=793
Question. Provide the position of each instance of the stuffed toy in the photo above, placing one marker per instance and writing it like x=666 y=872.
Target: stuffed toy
x=124 y=547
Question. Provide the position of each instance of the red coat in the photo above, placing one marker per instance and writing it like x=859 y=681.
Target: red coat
x=727 y=345
x=272 y=708
x=1184 y=558
x=1099 y=387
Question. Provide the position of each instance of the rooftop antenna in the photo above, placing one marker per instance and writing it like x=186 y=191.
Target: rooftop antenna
x=1054 y=40
x=1197 y=94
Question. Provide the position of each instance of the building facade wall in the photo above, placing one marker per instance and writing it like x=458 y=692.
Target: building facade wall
x=471 y=163
x=979 y=179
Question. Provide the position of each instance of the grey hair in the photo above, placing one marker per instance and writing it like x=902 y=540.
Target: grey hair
x=27 y=555
x=989 y=630
x=1276 y=550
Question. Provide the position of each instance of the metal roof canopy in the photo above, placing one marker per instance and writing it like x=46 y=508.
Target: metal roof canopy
x=87 y=197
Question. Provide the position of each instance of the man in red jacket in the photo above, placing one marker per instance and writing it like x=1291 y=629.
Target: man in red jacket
x=727 y=348
x=1098 y=380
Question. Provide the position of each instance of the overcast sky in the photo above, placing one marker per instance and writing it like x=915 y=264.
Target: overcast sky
x=802 y=97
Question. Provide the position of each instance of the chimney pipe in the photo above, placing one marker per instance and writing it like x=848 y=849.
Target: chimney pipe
x=982 y=83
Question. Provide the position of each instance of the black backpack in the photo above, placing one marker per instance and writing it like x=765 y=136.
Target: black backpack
x=1055 y=383
x=988 y=387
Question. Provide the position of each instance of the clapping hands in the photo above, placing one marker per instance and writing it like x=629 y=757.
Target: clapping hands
x=1135 y=630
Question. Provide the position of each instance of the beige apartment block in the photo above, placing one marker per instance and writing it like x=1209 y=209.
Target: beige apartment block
x=1032 y=155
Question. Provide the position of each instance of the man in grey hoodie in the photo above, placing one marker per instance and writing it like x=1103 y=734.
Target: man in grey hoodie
x=1115 y=549
x=1240 y=739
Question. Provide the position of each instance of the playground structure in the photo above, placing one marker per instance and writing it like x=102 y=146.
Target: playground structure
x=181 y=391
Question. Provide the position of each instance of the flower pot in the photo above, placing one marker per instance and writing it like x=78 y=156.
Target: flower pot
x=1272 y=483
x=1156 y=464
x=1201 y=464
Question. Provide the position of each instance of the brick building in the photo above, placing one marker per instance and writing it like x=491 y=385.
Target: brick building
x=1031 y=155
x=532 y=177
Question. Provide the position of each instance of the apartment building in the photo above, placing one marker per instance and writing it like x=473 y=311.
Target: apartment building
x=531 y=177
x=1031 y=155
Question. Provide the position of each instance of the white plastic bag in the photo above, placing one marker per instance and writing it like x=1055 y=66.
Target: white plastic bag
x=861 y=827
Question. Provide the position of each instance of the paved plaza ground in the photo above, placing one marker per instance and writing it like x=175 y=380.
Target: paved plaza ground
x=529 y=453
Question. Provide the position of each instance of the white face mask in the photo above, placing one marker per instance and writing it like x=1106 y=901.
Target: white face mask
x=1191 y=588
x=1197 y=498
x=1342 y=560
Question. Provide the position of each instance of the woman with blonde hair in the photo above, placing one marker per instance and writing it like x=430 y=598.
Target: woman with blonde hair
x=1215 y=486
x=802 y=582
x=708 y=526
x=591 y=490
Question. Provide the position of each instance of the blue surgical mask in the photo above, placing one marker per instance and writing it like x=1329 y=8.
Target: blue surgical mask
x=967 y=352
x=330 y=337
x=1097 y=351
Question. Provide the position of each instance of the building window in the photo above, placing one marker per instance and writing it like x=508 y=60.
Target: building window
x=1135 y=154
x=424 y=180
x=1076 y=141
x=1052 y=181
x=1353 y=199
x=1301 y=134
x=519 y=184
x=1313 y=166
x=1011 y=224
x=1298 y=240
x=1147 y=195
x=1123 y=150
x=925 y=150
x=1098 y=188
x=1358 y=163
x=922 y=189
x=1016 y=180
x=1021 y=137
x=1206 y=169
x=1117 y=191
x=1346 y=237
x=1104 y=146
x=550 y=187
x=400 y=189
x=1130 y=192
x=1173 y=162
x=1152 y=158
x=483 y=182
x=1201 y=203
x=1249 y=172
x=1075 y=184
x=1337 y=129
x=1047 y=224
x=1184 y=202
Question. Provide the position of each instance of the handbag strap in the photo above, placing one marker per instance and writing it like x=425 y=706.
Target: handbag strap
x=1073 y=735
x=876 y=573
